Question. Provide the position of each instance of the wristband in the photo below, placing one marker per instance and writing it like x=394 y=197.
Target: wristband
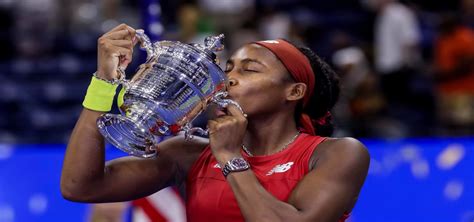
x=120 y=97
x=100 y=95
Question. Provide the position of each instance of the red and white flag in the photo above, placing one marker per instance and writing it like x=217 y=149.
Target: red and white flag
x=163 y=206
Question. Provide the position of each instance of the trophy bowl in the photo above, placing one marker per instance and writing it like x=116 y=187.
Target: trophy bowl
x=175 y=84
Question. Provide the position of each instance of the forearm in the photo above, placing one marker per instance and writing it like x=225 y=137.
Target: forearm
x=84 y=160
x=256 y=203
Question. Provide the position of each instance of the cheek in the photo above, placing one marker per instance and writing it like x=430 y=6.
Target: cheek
x=259 y=93
x=258 y=87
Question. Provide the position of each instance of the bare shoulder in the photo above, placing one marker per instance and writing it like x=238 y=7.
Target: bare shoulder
x=339 y=167
x=345 y=145
x=345 y=150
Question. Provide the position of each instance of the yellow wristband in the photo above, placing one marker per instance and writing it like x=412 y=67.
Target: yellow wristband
x=100 y=95
x=120 y=97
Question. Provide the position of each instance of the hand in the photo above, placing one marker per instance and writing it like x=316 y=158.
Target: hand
x=115 y=49
x=226 y=134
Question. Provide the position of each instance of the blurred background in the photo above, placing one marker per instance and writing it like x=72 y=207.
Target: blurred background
x=406 y=68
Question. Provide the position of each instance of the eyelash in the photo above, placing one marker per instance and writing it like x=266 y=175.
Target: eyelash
x=246 y=70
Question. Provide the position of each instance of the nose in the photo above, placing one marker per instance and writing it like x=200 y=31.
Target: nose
x=232 y=81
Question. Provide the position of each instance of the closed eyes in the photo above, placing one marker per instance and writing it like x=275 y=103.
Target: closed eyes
x=248 y=65
x=251 y=70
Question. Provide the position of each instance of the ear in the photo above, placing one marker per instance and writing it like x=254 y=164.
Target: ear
x=295 y=91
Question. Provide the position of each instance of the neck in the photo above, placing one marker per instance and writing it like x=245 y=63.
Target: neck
x=269 y=134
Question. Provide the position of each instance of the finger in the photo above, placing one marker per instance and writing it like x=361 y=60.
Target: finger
x=125 y=59
x=121 y=43
x=120 y=34
x=117 y=51
x=119 y=27
x=120 y=51
x=211 y=125
x=235 y=111
x=107 y=47
x=223 y=119
x=124 y=62
x=134 y=40
x=132 y=32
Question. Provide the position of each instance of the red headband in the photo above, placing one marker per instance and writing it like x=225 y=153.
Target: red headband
x=299 y=67
x=295 y=62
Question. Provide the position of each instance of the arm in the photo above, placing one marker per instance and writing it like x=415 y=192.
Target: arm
x=325 y=193
x=85 y=175
x=328 y=191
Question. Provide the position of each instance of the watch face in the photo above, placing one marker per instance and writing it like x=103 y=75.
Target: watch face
x=238 y=163
x=235 y=165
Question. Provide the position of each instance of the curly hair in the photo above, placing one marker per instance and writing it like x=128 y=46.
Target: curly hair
x=325 y=95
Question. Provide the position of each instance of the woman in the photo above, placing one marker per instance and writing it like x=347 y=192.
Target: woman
x=272 y=163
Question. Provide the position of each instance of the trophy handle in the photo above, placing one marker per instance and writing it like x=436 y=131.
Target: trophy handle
x=147 y=46
x=122 y=77
x=218 y=99
x=214 y=43
x=145 y=43
x=190 y=131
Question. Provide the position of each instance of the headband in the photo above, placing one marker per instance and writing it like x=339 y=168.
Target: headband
x=295 y=62
x=300 y=69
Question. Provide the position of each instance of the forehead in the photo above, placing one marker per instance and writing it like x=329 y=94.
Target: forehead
x=257 y=52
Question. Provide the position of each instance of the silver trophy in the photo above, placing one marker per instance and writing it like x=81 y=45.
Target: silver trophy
x=175 y=84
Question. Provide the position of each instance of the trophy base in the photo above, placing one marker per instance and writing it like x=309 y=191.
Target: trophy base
x=126 y=135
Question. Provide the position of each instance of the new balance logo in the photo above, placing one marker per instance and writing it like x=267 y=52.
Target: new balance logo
x=280 y=168
x=216 y=166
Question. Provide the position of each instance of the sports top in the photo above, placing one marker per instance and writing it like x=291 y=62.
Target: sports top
x=210 y=197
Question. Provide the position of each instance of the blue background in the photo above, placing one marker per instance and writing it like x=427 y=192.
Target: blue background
x=394 y=190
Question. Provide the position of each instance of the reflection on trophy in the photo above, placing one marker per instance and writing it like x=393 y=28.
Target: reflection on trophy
x=175 y=84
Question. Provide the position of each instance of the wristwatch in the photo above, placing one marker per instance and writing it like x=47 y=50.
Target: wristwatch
x=236 y=164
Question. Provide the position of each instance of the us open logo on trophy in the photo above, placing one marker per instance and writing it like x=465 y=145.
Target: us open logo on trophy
x=175 y=84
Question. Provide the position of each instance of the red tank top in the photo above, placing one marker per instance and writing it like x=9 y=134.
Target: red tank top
x=210 y=197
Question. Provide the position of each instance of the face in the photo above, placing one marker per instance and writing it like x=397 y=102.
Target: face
x=258 y=81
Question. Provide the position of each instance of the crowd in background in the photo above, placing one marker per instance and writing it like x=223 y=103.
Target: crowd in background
x=406 y=68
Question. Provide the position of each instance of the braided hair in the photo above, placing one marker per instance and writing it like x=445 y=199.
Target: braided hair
x=325 y=95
